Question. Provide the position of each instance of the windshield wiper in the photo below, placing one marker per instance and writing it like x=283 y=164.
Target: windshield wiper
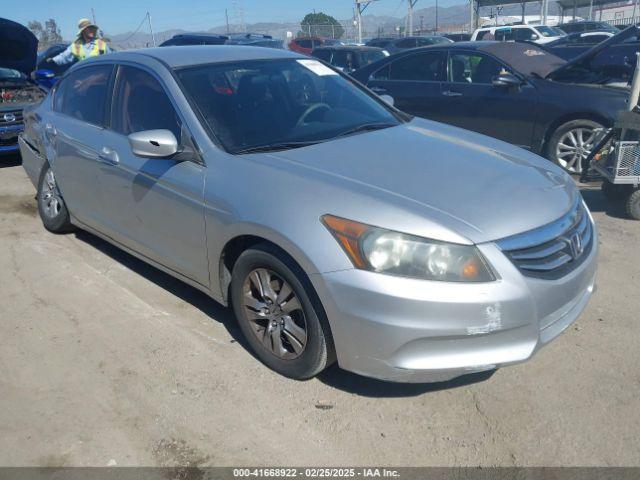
x=367 y=127
x=274 y=147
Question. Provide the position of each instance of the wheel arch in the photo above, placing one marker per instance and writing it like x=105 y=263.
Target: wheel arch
x=558 y=122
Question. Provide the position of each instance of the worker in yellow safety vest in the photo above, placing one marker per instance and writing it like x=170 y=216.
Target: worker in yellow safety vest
x=87 y=44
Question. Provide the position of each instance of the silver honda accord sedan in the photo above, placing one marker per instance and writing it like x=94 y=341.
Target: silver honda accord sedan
x=337 y=227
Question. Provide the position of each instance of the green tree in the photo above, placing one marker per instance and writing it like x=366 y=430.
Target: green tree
x=47 y=34
x=321 y=25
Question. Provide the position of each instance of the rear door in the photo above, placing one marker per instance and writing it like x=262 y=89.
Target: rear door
x=476 y=104
x=154 y=206
x=413 y=80
x=72 y=136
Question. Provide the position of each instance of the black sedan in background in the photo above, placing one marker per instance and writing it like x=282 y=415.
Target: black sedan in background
x=348 y=58
x=394 y=45
x=516 y=92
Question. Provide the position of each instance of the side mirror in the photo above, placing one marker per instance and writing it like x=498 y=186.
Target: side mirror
x=44 y=74
x=506 y=80
x=388 y=99
x=535 y=36
x=154 y=143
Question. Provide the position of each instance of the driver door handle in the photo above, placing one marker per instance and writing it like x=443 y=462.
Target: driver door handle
x=378 y=89
x=109 y=156
x=449 y=93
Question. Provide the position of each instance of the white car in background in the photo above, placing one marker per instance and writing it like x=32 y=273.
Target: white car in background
x=518 y=33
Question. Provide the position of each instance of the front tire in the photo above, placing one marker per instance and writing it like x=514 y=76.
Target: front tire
x=571 y=143
x=51 y=207
x=279 y=313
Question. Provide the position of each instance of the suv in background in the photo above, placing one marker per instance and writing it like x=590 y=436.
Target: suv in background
x=587 y=26
x=305 y=45
x=518 y=33
x=349 y=58
x=195 y=39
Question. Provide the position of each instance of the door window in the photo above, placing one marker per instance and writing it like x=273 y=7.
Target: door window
x=524 y=34
x=305 y=43
x=343 y=59
x=425 y=67
x=85 y=94
x=140 y=103
x=407 y=43
x=474 y=68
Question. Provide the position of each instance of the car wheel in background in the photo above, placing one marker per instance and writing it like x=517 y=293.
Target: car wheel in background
x=279 y=314
x=615 y=192
x=51 y=206
x=571 y=143
x=633 y=205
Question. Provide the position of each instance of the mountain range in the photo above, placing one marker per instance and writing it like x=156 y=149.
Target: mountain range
x=449 y=18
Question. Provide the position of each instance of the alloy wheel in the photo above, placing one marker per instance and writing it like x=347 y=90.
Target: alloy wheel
x=573 y=147
x=275 y=314
x=50 y=196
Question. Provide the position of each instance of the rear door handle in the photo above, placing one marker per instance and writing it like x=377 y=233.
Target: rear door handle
x=109 y=156
x=449 y=93
x=378 y=89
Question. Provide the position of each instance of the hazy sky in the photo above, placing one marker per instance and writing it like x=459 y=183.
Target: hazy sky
x=119 y=16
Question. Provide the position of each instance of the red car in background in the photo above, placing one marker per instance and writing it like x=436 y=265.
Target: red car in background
x=305 y=45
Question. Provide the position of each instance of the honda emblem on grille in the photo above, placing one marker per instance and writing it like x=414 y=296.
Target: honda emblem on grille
x=9 y=117
x=575 y=243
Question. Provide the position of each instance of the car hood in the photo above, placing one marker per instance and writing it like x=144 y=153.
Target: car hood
x=18 y=47
x=478 y=187
x=590 y=54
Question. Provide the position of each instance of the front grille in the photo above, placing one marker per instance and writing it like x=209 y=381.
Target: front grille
x=11 y=117
x=552 y=251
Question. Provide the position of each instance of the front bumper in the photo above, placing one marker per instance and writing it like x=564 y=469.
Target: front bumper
x=408 y=330
x=9 y=138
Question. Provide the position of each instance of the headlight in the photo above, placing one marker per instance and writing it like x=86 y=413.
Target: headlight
x=394 y=253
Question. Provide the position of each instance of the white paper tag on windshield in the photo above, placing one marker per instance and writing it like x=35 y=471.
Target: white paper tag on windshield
x=317 y=68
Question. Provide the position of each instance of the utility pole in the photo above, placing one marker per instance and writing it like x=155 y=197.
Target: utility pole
x=436 y=16
x=361 y=6
x=472 y=16
x=226 y=14
x=412 y=3
x=153 y=37
x=93 y=15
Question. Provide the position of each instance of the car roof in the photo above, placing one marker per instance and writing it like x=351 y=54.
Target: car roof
x=350 y=47
x=188 y=55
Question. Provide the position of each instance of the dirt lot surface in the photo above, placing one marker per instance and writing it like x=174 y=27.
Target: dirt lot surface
x=107 y=361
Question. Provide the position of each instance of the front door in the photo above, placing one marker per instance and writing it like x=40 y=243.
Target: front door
x=476 y=104
x=413 y=80
x=154 y=206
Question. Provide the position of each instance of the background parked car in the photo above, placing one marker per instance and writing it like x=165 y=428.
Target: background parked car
x=516 y=92
x=254 y=40
x=457 y=37
x=587 y=26
x=195 y=39
x=518 y=33
x=395 y=45
x=47 y=72
x=349 y=58
x=18 y=57
x=305 y=45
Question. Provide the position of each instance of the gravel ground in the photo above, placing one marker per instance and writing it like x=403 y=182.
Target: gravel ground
x=107 y=361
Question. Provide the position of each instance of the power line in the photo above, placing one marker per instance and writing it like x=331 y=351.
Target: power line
x=137 y=29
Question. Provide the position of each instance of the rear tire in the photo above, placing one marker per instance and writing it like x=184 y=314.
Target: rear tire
x=51 y=207
x=633 y=205
x=571 y=143
x=280 y=314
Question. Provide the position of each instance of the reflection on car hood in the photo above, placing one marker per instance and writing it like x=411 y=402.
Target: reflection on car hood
x=18 y=47
x=590 y=54
x=482 y=188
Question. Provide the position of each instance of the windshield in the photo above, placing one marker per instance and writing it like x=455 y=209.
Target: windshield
x=284 y=101
x=549 y=31
x=8 y=73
